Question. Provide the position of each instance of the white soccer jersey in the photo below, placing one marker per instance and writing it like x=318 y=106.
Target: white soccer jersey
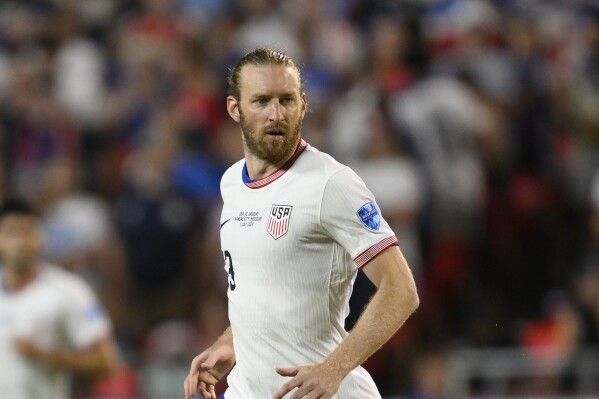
x=55 y=310
x=293 y=243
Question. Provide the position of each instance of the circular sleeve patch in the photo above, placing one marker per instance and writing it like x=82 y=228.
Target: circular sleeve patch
x=369 y=216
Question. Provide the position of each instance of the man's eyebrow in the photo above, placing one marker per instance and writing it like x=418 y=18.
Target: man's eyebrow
x=260 y=95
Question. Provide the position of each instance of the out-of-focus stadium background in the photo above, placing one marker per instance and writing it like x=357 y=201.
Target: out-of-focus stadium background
x=475 y=123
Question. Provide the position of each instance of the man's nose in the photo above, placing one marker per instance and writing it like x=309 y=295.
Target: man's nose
x=277 y=111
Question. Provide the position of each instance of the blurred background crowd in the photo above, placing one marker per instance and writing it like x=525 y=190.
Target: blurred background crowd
x=474 y=122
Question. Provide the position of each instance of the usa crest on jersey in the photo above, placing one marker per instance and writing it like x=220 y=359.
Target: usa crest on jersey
x=278 y=220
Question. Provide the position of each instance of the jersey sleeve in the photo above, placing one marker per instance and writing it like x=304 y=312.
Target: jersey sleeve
x=349 y=214
x=85 y=322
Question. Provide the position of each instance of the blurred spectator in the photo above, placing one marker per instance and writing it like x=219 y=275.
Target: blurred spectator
x=166 y=356
x=581 y=99
x=37 y=129
x=79 y=71
x=551 y=342
x=431 y=376
x=264 y=25
x=158 y=227
x=80 y=235
x=586 y=282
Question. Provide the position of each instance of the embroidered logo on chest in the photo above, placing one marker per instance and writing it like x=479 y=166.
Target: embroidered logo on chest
x=278 y=220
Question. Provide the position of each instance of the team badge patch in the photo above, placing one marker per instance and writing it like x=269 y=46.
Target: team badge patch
x=278 y=220
x=369 y=216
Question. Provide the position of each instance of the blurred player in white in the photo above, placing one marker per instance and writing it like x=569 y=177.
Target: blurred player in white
x=295 y=227
x=50 y=322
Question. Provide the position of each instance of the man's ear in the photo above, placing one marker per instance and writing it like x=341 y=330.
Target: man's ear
x=304 y=103
x=233 y=108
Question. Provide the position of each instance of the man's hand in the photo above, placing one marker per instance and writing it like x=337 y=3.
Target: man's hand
x=30 y=350
x=317 y=381
x=99 y=359
x=207 y=369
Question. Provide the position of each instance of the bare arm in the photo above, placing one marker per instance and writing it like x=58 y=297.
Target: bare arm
x=395 y=300
x=99 y=359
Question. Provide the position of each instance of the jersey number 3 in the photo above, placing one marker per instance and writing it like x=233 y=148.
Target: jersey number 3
x=229 y=269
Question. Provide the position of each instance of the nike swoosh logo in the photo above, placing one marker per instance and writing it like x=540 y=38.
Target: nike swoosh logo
x=223 y=223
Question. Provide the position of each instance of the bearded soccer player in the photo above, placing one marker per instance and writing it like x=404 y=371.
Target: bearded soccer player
x=51 y=324
x=295 y=227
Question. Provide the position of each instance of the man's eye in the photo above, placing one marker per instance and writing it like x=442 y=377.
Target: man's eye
x=286 y=100
x=261 y=101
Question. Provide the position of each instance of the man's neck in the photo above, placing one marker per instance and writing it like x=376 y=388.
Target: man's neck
x=258 y=168
x=15 y=279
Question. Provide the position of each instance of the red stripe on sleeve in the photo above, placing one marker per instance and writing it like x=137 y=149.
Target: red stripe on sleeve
x=371 y=253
